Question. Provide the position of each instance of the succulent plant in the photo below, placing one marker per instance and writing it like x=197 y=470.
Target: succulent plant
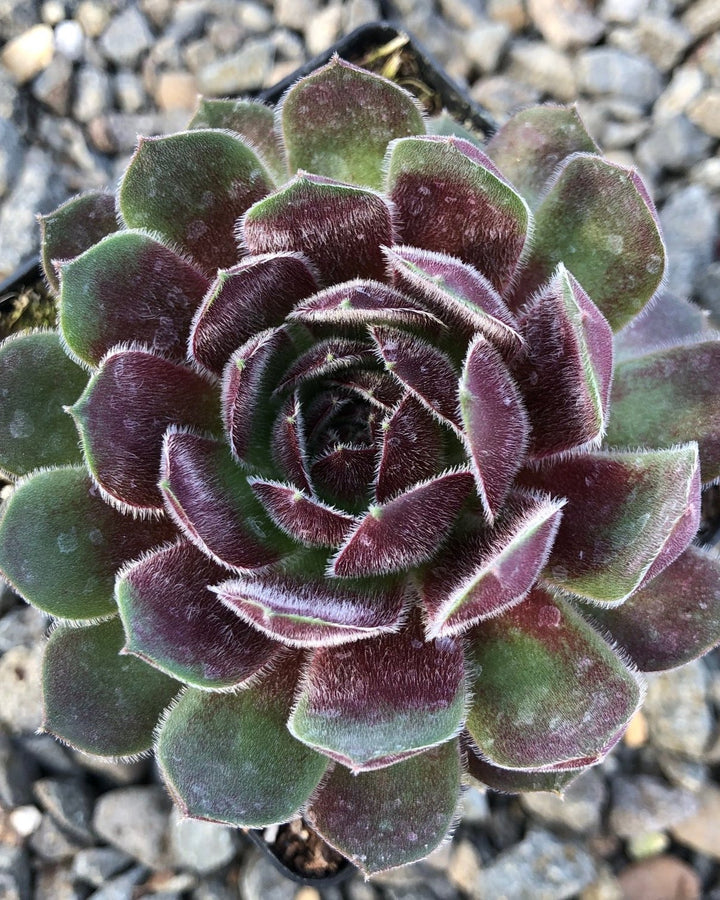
x=368 y=499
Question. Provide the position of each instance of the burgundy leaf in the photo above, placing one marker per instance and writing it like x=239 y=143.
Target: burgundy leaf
x=668 y=319
x=405 y=531
x=422 y=368
x=346 y=472
x=378 y=388
x=365 y=715
x=565 y=371
x=481 y=572
x=496 y=424
x=288 y=443
x=173 y=621
x=340 y=228
x=254 y=295
x=323 y=358
x=412 y=449
x=207 y=494
x=305 y=612
x=123 y=414
x=304 y=518
x=449 y=199
x=513 y=781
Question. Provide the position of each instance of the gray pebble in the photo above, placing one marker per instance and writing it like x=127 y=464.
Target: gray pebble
x=129 y=91
x=11 y=158
x=22 y=626
x=136 y=820
x=295 y=14
x=55 y=882
x=643 y=804
x=544 y=67
x=501 y=95
x=96 y=865
x=70 y=39
x=52 y=843
x=678 y=713
x=568 y=25
x=683 y=773
x=121 y=888
x=48 y=752
x=14 y=873
x=188 y=20
x=70 y=802
x=127 y=37
x=92 y=97
x=53 y=86
x=474 y=806
x=20 y=688
x=579 y=809
x=707 y=287
x=464 y=14
x=16 y=16
x=673 y=144
x=542 y=867
x=117 y=773
x=260 y=880
x=210 y=889
x=485 y=45
x=200 y=846
x=17 y=772
x=8 y=597
x=245 y=70
x=606 y=70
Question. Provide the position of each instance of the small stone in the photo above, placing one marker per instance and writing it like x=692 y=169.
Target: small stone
x=708 y=57
x=52 y=12
x=176 y=90
x=685 y=86
x=209 y=889
x=17 y=772
x=673 y=144
x=465 y=867
x=605 y=887
x=11 y=158
x=48 y=752
x=501 y=96
x=701 y=831
x=308 y=893
x=579 y=809
x=29 y=53
x=544 y=67
x=676 y=708
x=440 y=857
x=622 y=12
x=126 y=38
x=136 y=820
x=254 y=17
x=92 y=94
x=295 y=14
x=70 y=802
x=22 y=626
x=662 y=878
x=20 y=679
x=645 y=803
x=93 y=17
x=55 y=882
x=241 y=71
x=14 y=873
x=70 y=39
x=51 y=843
x=566 y=24
x=511 y=12
x=702 y=18
x=663 y=40
x=360 y=890
x=96 y=865
x=200 y=846
x=684 y=773
x=188 y=20
x=25 y=820
x=485 y=45
x=474 y=807
x=52 y=87
x=606 y=70
x=705 y=113
x=324 y=28
x=708 y=292
x=647 y=844
x=129 y=91
x=260 y=880
x=120 y=888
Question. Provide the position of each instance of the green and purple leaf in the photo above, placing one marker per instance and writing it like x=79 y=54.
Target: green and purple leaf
x=326 y=357
x=128 y=287
x=338 y=121
x=305 y=519
x=256 y=294
x=61 y=544
x=667 y=397
x=339 y=227
x=496 y=423
x=529 y=147
x=595 y=219
x=450 y=199
x=668 y=320
x=565 y=369
x=97 y=700
x=482 y=572
x=191 y=188
x=230 y=758
x=368 y=716
x=628 y=515
x=177 y=624
x=548 y=691
x=35 y=431
x=124 y=413
x=287 y=443
x=513 y=781
x=405 y=531
x=309 y=612
x=74 y=227
x=209 y=497
x=673 y=619
x=456 y=293
x=392 y=816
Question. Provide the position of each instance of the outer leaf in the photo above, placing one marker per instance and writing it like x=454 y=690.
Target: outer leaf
x=486 y=224
x=61 y=545
x=565 y=371
x=483 y=572
x=548 y=690
x=128 y=287
x=513 y=781
x=174 y=622
x=405 y=531
x=123 y=414
x=287 y=443
x=393 y=816
x=672 y=620
x=75 y=226
x=667 y=397
x=221 y=754
x=628 y=516
x=209 y=497
x=95 y=699
x=669 y=319
x=191 y=188
x=34 y=429
x=365 y=715
x=254 y=295
x=595 y=219
x=496 y=423
x=338 y=121
x=340 y=228
x=254 y=123
x=305 y=612
x=304 y=518
x=532 y=144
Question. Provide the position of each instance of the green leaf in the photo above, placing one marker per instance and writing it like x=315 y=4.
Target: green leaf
x=37 y=378
x=97 y=700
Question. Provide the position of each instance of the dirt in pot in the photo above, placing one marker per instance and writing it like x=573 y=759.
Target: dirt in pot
x=301 y=850
x=33 y=306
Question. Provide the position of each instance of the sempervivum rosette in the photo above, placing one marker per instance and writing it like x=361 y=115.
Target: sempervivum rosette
x=341 y=528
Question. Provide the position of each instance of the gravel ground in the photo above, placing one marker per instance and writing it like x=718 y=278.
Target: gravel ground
x=78 y=81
